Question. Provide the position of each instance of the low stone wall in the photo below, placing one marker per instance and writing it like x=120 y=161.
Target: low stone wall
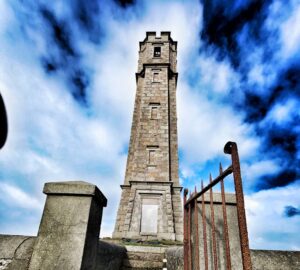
x=174 y=256
x=15 y=251
x=275 y=260
x=110 y=256
x=261 y=259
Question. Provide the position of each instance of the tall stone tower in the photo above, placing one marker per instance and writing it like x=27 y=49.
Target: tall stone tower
x=150 y=206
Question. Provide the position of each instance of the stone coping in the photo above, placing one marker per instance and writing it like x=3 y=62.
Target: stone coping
x=75 y=188
x=151 y=183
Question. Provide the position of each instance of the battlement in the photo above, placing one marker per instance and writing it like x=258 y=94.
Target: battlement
x=158 y=50
x=165 y=36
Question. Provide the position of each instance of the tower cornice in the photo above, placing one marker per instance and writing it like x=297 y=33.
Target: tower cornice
x=142 y=72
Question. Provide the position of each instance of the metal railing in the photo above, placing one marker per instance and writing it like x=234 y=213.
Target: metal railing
x=193 y=262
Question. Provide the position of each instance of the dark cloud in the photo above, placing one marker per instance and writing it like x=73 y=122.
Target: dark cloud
x=232 y=29
x=280 y=179
x=286 y=85
x=63 y=56
x=256 y=107
x=61 y=32
x=79 y=81
x=280 y=140
x=224 y=20
x=86 y=14
x=280 y=144
x=291 y=211
x=125 y=3
x=49 y=65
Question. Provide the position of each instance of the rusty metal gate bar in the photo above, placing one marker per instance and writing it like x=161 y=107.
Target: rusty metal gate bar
x=225 y=232
x=196 y=233
x=230 y=148
x=212 y=214
x=204 y=232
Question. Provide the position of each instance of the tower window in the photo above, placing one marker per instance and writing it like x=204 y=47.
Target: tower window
x=152 y=154
x=155 y=77
x=154 y=113
x=151 y=160
x=154 y=110
x=157 y=51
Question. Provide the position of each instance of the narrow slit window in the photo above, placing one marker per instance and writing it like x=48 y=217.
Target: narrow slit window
x=157 y=51
x=151 y=160
x=155 y=77
x=154 y=110
x=154 y=113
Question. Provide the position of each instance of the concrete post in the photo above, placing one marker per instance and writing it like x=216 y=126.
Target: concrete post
x=69 y=230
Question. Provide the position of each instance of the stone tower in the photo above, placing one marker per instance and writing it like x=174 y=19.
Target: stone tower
x=150 y=206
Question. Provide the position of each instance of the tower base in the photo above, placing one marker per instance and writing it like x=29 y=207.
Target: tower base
x=148 y=211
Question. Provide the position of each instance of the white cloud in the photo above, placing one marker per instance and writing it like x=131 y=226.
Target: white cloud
x=282 y=112
x=215 y=76
x=268 y=227
x=12 y=195
x=205 y=127
x=6 y=16
x=254 y=171
x=290 y=33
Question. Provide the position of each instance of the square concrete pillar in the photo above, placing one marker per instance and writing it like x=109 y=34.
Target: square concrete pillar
x=69 y=230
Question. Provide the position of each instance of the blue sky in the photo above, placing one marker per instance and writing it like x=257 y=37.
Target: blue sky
x=67 y=78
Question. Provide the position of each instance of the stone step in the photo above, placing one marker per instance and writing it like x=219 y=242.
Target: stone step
x=155 y=257
x=130 y=268
x=134 y=264
x=143 y=259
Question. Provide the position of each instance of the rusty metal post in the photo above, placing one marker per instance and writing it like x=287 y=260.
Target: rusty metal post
x=189 y=238
x=204 y=230
x=231 y=148
x=185 y=231
x=215 y=255
x=225 y=228
x=196 y=248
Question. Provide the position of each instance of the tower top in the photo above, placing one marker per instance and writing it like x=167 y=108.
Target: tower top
x=157 y=51
x=165 y=36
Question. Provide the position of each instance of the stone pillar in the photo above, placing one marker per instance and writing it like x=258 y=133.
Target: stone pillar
x=69 y=230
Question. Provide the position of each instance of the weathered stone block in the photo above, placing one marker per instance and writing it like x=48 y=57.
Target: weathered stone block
x=69 y=230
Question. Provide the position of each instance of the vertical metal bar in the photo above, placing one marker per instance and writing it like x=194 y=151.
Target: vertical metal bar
x=240 y=207
x=196 y=248
x=185 y=231
x=225 y=231
x=204 y=231
x=215 y=256
x=189 y=237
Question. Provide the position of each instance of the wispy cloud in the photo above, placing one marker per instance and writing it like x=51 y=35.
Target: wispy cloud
x=12 y=195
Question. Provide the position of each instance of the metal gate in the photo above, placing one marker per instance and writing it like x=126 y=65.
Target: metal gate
x=191 y=219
